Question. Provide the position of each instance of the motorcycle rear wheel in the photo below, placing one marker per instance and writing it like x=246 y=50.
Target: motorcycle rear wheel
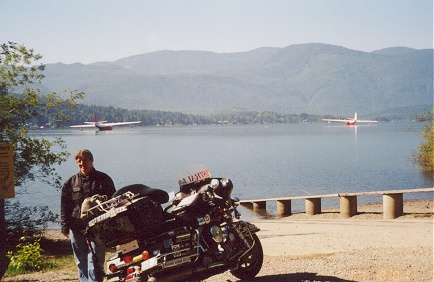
x=251 y=264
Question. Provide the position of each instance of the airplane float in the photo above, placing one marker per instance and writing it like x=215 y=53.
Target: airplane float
x=350 y=121
x=102 y=125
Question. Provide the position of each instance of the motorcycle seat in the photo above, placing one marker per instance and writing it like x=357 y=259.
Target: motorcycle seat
x=142 y=190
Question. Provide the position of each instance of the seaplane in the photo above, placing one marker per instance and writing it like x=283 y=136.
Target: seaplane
x=350 y=121
x=102 y=125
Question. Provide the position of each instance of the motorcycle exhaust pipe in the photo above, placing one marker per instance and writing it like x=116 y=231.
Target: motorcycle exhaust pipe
x=180 y=275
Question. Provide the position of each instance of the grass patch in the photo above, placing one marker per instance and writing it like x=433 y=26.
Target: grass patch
x=49 y=255
x=58 y=257
x=54 y=263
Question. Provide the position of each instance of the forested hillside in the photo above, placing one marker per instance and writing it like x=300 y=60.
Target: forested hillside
x=165 y=118
x=305 y=78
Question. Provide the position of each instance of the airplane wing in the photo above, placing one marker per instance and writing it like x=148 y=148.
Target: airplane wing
x=366 y=121
x=121 y=123
x=350 y=121
x=83 y=125
x=93 y=122
x=337 y=120
x=104 y=126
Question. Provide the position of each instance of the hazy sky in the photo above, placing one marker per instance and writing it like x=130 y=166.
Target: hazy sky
x=88 y=31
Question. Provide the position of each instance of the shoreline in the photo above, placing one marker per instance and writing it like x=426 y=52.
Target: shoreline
x=413 y=209
x=325 y=247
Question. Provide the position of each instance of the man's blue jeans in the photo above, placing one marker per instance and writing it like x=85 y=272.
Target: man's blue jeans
x=83 y=257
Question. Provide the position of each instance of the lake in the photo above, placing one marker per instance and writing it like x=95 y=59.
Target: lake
x=262 y=160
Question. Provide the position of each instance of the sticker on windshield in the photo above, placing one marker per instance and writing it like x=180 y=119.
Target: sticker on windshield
x=196 y=177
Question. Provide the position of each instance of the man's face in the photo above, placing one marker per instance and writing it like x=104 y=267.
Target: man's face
x=84 y=165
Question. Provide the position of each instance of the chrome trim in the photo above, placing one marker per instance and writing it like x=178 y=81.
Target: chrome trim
x=244 y=239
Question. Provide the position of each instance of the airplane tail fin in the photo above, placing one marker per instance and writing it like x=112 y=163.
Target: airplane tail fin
x=355 y=116
x=95 y=118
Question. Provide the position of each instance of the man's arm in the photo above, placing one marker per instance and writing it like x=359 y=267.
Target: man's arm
x=65 y=209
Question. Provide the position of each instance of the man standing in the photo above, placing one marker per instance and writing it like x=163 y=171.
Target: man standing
x=86 y=183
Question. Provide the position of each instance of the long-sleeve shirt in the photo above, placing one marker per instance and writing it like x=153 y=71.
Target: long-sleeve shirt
x=75 y=190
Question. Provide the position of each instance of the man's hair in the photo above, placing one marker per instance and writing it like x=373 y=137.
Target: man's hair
x=84 y=154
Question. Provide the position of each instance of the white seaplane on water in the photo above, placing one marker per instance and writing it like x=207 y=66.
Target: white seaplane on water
x=102 y=125
x=350 y=121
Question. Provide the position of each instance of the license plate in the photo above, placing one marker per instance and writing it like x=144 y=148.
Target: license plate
x=149 y=263
x=128 y=247
x=176 y=262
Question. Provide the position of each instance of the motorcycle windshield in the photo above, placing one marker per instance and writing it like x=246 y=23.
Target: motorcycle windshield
x=194 y=174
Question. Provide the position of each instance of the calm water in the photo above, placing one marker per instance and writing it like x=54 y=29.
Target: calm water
x=262 y=161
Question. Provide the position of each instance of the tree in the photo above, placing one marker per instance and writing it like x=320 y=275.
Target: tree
x=425 y=155
x=20 y=102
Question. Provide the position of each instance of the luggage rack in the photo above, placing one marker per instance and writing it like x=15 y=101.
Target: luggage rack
x=108 y=206
x=120 y=218
x=104 y=207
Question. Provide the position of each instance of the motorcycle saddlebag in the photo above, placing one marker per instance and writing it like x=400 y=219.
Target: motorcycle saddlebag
x=122 y=224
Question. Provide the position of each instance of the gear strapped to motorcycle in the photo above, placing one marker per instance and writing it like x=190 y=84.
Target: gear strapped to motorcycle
x=199 y=235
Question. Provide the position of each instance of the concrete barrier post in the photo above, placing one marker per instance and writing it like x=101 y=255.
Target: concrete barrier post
x=283 y=208
x=259 y=207
x=313 y=206
x=393 y=205
x=348 y=206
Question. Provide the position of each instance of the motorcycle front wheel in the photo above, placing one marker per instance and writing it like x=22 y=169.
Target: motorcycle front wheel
x=251 y=263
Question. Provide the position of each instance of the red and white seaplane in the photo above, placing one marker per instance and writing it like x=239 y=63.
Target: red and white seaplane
x=102 y=125
x=350 y=121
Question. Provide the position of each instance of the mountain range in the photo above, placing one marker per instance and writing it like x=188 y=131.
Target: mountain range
x=309 y=78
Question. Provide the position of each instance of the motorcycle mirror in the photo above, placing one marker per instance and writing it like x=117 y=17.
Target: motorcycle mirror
x=236 y=201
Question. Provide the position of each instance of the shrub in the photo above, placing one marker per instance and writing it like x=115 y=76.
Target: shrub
x=28 y=256
x=425 y=155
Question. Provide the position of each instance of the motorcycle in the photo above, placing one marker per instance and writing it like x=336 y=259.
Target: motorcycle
x=197 y=235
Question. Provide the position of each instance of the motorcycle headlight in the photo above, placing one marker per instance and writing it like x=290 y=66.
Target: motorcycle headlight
x=216 y=233
x=214 y=184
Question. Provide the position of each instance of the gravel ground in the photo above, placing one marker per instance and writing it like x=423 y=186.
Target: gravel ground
x=327 y=248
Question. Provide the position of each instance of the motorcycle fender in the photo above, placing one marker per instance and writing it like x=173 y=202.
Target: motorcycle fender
x=253 y=228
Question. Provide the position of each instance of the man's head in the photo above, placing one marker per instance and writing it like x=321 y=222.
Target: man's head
x=84 y=160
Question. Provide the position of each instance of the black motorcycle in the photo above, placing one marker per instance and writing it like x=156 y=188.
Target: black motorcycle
x=198 y=235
